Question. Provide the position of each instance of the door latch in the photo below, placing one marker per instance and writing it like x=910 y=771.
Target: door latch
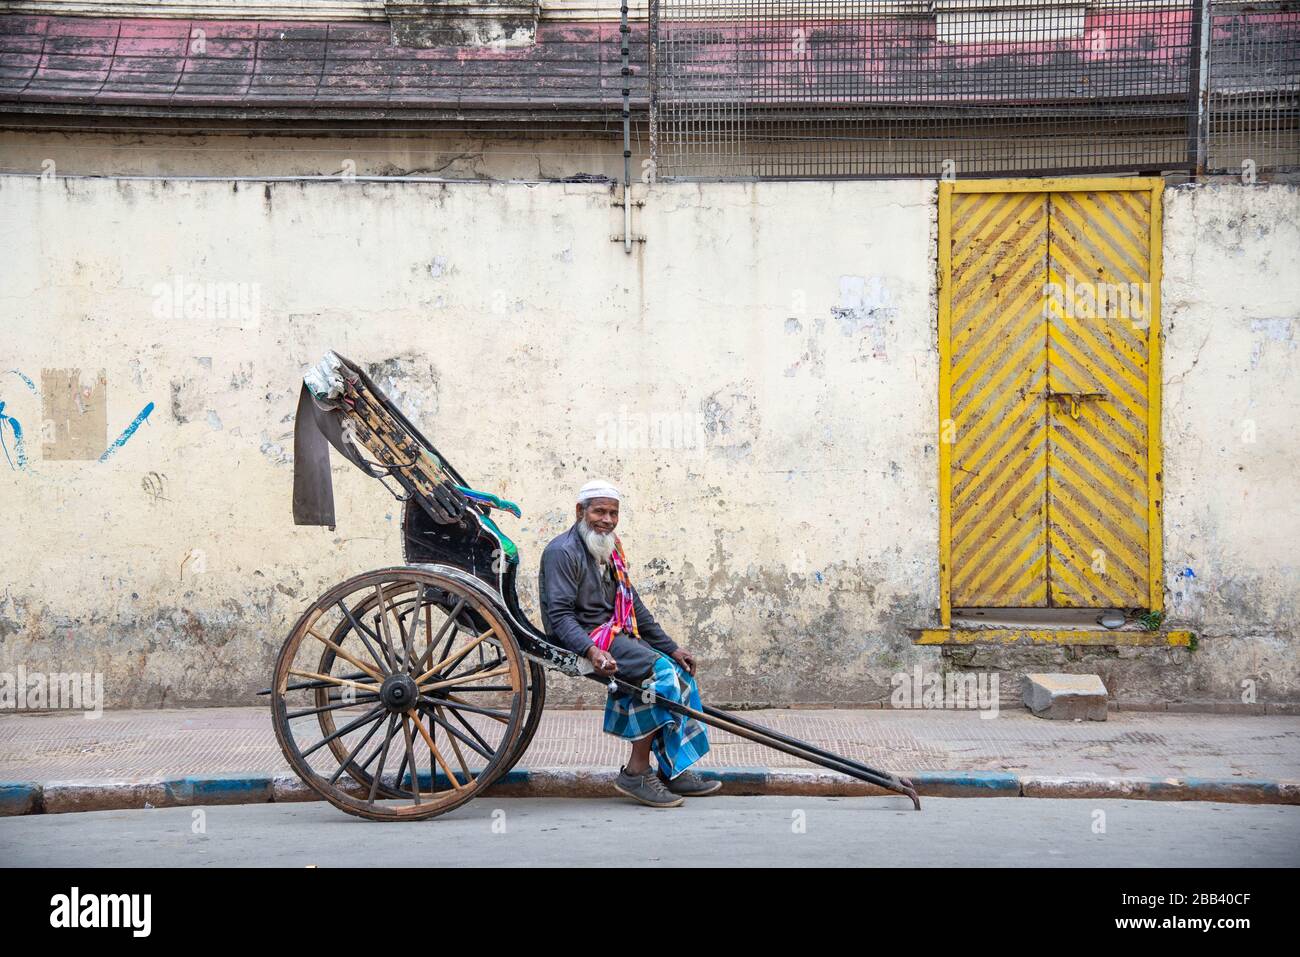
x=1073 y=400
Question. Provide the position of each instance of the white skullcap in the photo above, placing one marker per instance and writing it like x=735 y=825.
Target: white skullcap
x=598 y=489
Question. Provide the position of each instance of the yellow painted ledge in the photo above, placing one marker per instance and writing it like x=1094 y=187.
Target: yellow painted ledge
x=1002 y=636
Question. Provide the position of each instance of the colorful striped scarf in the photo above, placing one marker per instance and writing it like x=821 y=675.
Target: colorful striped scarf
x=623 y=621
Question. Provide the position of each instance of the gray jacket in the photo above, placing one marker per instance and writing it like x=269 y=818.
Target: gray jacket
x=575 y=598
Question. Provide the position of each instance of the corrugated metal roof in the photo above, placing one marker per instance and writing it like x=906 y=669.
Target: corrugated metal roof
x=282 y=67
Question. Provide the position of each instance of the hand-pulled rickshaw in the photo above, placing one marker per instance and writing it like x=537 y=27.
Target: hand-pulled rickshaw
x=404 y=692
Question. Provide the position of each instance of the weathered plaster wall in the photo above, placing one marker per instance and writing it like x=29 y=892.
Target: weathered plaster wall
x=759 y=376
x=256 y=151
x=1231 y=298
x=232 y=148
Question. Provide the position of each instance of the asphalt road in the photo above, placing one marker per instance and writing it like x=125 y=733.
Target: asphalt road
x=740 y=831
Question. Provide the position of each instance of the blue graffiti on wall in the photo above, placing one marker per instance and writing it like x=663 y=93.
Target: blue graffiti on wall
x=16 y=428
x=20 y=450
x=30 y=384
x=128 y=431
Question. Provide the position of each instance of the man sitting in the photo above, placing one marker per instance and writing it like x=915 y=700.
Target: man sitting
x=590 y=607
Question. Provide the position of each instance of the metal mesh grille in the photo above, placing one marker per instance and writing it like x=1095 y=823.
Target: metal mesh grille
x=861 y=88
x=1254 y=87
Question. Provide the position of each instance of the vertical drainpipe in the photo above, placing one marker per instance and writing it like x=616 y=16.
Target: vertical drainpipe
x=652 y=66
x=624 y=34
x=1206 y=33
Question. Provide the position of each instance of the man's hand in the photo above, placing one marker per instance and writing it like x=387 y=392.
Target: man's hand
x=602 y=660
x=686 y=660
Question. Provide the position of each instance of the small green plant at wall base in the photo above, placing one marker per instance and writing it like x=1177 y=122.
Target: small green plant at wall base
x=1151 y=620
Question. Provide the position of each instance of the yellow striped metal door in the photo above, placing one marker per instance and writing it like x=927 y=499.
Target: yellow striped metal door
x=997 y=374
x=1098 y=314
x=1049 y=395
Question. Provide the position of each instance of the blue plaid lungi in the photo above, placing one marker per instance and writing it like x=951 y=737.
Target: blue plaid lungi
x=683 y=740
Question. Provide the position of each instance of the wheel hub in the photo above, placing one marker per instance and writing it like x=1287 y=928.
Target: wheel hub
x=399 y=692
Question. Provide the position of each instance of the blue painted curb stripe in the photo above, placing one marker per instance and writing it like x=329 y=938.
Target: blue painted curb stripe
x=26 y=797
x=226 y=787
x=978 y=780
x=18 y=797
x=1231 y=783
x=750 y=776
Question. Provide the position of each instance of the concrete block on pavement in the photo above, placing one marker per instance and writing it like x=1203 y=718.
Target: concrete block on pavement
x=1064 y=697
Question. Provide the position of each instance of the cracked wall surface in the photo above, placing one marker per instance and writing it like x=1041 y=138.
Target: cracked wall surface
x=779 y=509
x=1231 y=317
x=759 y=376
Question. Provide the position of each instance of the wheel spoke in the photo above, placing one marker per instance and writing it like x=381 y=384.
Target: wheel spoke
x=450 y=682
x=471 y=729
x=407 y=634
x=343 y=765
x=362 y=631
x=331 y=680
x=454 y=703
x=452 y=734
x=448 y=662
x=475 y=672
x=362 y=699
x=473 y=669
x=484 y=751
x=308 y=685
x=383 y=626
x=351 y=725
x=345 y=656
x=410 y=759
x=379 y=772
x=433 y=749
x=442 y=630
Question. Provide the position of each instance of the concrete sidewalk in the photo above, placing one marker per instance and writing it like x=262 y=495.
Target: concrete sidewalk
x=54 y=762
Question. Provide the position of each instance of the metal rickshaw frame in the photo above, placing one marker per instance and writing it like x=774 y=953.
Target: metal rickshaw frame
x=470 y=560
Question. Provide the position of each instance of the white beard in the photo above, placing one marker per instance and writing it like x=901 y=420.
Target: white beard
x=600 y=546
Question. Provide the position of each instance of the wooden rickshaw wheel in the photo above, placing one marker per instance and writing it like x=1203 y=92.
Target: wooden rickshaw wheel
x=415 y=521
x=414 y=671
x=536 y=702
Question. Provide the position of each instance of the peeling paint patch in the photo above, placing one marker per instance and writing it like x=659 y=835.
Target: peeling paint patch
x=411 y=381
x=813 y=358
x=137 y=373
x=241 y=376
x=731 y=420
x=188 y=400
x=1269 y=330
x=865 y=311
x=274 y=451
x=75 y=415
